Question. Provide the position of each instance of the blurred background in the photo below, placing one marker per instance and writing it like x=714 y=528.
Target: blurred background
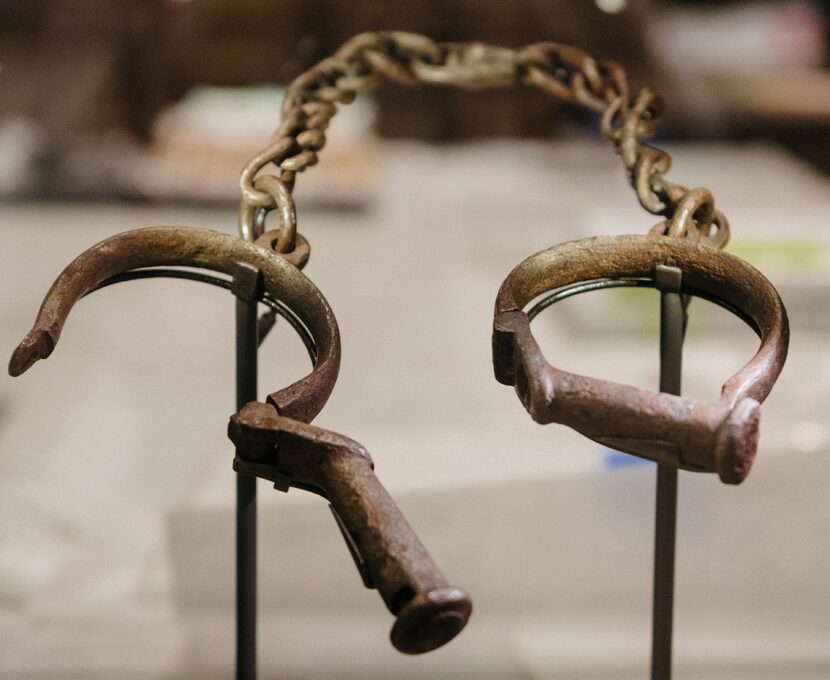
x=116 y=511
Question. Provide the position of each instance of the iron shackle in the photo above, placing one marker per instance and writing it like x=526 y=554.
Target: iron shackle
x=204 y=249
x=388 y=553
x=685 y=433
x=274 y=440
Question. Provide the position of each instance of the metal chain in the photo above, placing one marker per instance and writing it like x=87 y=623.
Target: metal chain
x=563 y=71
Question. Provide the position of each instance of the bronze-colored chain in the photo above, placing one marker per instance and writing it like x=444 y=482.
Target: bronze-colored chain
x=563 y=71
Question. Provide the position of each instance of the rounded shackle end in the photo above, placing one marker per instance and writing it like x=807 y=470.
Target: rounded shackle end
x=736 y=441
x=38 y=344
x=431 y=619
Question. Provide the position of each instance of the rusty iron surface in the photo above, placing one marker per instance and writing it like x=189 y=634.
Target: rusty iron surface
x=562 y=71
x=428 y=611
x=686 y=433
x=204 y=249
x=275 y=440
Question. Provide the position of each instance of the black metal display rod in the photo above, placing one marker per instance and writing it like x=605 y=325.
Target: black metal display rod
x=246 y=286
x=672 y=330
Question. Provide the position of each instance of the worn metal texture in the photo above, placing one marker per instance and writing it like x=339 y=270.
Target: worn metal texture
x=252 y=217
x=686 y=433
x=429 y=612
x=391 y=557
x=204 y=249
x=561 y=71
x=275 y=441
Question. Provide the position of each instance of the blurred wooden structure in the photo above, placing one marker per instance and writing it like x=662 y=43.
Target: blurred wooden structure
x=88 y=67
x=114 y=63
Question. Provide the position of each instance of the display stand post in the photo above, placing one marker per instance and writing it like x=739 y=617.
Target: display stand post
x=672 y=330
x=246 y=285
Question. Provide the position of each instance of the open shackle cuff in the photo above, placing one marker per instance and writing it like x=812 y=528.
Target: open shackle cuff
x=203 y=249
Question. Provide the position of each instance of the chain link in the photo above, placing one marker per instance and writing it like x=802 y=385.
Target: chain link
x=560 y=70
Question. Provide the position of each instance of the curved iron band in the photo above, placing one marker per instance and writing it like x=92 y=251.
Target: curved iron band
x=687 y=433
x=204 y=249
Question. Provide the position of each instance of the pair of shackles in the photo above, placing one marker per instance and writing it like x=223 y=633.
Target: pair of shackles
x=275 y=439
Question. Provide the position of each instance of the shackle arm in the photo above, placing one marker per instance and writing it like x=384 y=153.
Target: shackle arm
x=203 y=249
x=390 y=556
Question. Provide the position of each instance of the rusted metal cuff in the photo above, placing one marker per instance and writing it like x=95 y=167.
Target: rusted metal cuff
x=686 y=433
x=388 y=553
x=204 y=249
